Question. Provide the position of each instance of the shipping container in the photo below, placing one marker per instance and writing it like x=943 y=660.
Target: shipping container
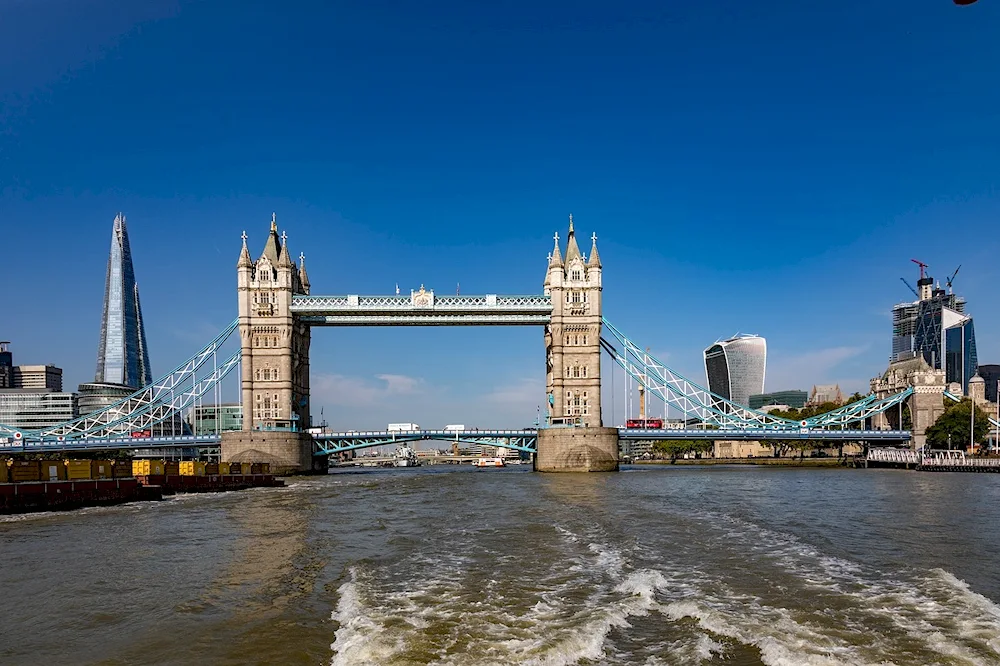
x=101 y=469
x=52 y=470
x=78 y=470
x=122 y=469
x=260 y=468
x=191 y=468
x=244 y=468
x=223 y=468
x=211 y=468
x=24 y=470
x=147 y=468
x=171 y=468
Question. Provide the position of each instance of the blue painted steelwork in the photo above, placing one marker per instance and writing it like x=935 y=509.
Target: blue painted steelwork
x=160 y=401
x=755 y=434
x=332 y=443
x=695 y=401
x=423 y=309
x=53 y=445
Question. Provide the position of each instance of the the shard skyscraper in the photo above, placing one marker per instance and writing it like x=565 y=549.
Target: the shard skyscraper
x=122 y=357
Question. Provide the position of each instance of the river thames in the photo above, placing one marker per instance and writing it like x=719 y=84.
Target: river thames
x=459 y=566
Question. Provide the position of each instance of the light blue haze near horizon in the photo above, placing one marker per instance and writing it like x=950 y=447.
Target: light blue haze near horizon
x=766 y=168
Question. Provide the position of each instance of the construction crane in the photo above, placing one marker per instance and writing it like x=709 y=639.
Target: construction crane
x=922 y=267
x=949 y=280
x=910 y=287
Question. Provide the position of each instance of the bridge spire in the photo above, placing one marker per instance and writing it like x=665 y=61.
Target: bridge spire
x=555 y=259
x=303 y=276
x=595 y=259
x=244 y=261
x=572 y=249
x=285 y=260
x=273 y=245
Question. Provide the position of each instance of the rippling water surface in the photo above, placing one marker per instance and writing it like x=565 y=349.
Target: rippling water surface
x=459 y=566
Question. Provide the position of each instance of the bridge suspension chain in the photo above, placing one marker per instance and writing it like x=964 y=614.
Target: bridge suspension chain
x=693 y=400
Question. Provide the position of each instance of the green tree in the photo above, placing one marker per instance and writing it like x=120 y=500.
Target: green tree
x=951 y=430
x=675 y=448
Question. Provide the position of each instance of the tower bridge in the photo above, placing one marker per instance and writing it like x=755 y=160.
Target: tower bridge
x=277 y=312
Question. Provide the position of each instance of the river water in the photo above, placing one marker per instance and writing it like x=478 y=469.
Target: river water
x=461 y=566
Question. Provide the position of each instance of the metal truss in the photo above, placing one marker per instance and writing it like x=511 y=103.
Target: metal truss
x=755 y=434
x=423 y=309
x=332 y=443
x=150 y=405
x=696 y=401
x=954 y=398
x=111 y=443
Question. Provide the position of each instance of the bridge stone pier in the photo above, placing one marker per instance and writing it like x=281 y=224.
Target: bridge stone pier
x=926 y=404
x=573 y=365
x=274 y=379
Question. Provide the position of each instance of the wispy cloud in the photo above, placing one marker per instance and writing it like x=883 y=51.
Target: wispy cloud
x=347 y=391
x=808 y=368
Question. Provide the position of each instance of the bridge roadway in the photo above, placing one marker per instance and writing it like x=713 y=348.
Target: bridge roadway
x=518 y=440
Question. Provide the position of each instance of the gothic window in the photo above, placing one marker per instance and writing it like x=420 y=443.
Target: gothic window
x=575 y=275
x=567 y=296
x=567 y=339
x=576 y=371
x=256 y=374
x=568 y=369
x=584 y=297
x=584 y=371
x=585 y=339
x=576 y=297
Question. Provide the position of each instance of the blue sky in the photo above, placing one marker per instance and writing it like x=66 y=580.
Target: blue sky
x=766 y=167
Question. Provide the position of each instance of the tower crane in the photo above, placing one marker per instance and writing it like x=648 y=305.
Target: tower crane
x=922 y=267
x=910 y=287
x=949 y=280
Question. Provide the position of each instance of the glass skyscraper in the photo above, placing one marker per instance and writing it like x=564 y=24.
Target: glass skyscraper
x=122 y=357
x=735 y=368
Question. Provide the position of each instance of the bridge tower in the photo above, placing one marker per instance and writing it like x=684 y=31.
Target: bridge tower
x=573 y=365
x=274 y=381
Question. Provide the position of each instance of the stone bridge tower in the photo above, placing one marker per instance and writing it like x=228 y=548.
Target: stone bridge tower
x=274 y=380
x=573 y=338
x=575 y=440
x=925 y=405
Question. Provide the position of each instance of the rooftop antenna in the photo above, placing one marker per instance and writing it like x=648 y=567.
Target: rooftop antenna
x=922 y=267
x=949 y=280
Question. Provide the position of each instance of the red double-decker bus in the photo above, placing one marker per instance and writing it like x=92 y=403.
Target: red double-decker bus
x=645 y=424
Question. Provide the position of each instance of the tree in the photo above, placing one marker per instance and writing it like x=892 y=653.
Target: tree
x=951 y=430
x=675 y=448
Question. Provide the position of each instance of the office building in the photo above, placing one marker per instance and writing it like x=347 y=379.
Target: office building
x=6 y=365
x=122 y=356
x=209 y=419
x=30 y=409
x=38 y=377
x=735 y=368
x=794 y=398
x=991 y=376
x=936 y=327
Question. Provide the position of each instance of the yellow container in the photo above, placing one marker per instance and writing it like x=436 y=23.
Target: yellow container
x=211 y=468
x=101 y=469
x=260 y=468
x=147 y=468
x=4 y=471
x=121 y=469
x=171 y=468
x=223 y=468
x=52 y=470
x=77 y=470
x=244 y=468
x=192 y=468
x=24 y=470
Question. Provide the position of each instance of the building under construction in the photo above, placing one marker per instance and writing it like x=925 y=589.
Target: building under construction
x=936 y=327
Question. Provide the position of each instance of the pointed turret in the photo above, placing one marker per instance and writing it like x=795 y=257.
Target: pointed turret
x=245 y=261
x=555 y=259
x=272 y=248
x=595 y=259
x=572 y=249
x=284 y=260
x=303 y=276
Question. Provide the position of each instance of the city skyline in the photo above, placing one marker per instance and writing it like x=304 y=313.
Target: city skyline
x=383 y=176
